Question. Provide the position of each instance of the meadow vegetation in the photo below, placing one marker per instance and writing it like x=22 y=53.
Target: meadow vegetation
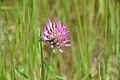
x=94 y=31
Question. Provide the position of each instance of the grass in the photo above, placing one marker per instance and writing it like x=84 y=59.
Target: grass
x=94 y=31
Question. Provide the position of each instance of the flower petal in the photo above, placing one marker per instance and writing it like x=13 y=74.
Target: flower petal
x=61 y=51
x=53 y=50
x=51 y=46
x=58 y=24
x=68 y=44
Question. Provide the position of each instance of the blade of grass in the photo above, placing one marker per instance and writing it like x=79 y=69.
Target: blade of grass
x=81 y=41
x=118 y=39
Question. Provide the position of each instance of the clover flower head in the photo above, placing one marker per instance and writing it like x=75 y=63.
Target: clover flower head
x=56 y=35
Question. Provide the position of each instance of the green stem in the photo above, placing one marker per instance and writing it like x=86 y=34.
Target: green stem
x=42 y=61
x=50 y=63
x=99 y=71
x=50 y=59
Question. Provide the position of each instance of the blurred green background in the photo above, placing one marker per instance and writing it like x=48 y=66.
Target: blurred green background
x=94 y=30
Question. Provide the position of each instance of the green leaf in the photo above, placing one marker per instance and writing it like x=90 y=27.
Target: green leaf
x=20 y=72
x=46 y=66
x=54 y=76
